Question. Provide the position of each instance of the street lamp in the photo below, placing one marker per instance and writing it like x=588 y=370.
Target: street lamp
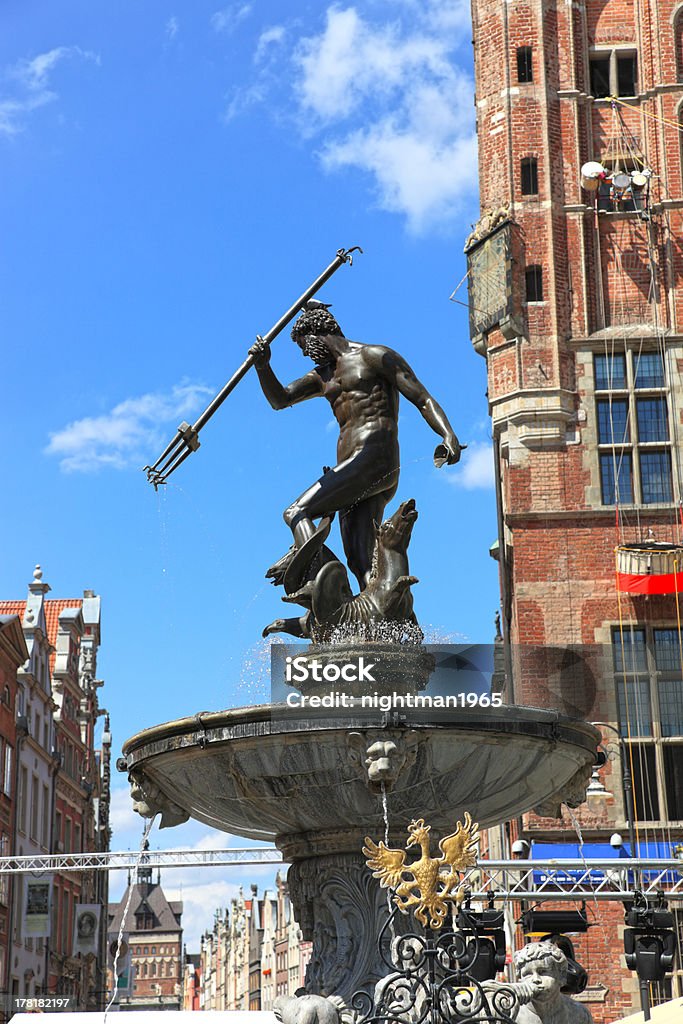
x=597 y=789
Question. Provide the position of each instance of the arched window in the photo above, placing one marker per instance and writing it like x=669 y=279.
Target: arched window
x=678 y=43
x=529 y=175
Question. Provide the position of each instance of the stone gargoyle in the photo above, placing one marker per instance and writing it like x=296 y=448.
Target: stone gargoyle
x=148 y=801
x=573 y=794
x=319 y=582
x=382 y=754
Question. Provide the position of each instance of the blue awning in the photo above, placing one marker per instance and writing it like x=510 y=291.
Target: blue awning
x=600 y=851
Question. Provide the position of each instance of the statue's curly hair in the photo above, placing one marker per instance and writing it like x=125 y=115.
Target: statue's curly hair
x=545 y=950
x=315 y=321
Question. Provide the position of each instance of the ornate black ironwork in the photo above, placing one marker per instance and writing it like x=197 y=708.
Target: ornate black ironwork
x=431 y=979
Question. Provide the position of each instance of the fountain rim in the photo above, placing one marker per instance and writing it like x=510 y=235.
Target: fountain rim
x=545 y=724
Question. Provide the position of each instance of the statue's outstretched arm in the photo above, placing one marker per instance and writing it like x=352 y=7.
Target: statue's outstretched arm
x=396 y=369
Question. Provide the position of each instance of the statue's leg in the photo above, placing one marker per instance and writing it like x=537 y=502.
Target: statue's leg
x=353 y=481
x=357 y=525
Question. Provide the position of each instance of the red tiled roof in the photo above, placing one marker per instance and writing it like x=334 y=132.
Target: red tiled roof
x=53 y=609
x=13 y=608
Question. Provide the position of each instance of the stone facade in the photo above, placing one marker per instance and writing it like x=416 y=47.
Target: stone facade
x=569 y=290
x=13 y=654
x=62 y=785
x=254 y=952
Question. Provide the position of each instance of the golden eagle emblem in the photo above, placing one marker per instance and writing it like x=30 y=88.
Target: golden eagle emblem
x=429 y=882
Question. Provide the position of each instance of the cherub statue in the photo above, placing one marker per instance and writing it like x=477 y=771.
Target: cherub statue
x=542 y=970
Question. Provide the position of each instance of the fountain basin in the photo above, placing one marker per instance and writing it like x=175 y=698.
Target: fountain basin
x=269 y=773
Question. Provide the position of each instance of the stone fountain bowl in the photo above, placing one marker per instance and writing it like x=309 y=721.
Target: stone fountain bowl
x=313 y=783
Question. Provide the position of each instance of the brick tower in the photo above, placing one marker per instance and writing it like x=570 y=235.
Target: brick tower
x=576 y=303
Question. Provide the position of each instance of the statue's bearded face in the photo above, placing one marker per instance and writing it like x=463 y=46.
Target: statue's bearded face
x=313 y=346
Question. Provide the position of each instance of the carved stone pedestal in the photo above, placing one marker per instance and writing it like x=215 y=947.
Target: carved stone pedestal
x=341 y=908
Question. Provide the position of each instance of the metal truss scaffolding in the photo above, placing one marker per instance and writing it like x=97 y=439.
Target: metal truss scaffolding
x=570 y=879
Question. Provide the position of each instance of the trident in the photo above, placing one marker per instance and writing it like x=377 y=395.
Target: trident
x=186 y=440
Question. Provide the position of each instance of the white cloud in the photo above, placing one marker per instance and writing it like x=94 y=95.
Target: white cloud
x=125 y=436
x=228 y=18
x=475 y=469
x=389 y=100
x=171 y=27
x=30 y=79
x=122 y=817
x=242 y=99
x=380 y=90
x=269 y=38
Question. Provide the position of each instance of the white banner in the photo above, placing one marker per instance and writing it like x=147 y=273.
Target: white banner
x=87 y=928
x=36 y=921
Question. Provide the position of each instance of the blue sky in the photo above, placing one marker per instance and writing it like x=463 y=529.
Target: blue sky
x=174 y=175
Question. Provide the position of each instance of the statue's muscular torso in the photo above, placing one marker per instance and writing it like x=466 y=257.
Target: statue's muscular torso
x=364 y=402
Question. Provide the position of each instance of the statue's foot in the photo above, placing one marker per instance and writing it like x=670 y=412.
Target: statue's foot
x=301 y=561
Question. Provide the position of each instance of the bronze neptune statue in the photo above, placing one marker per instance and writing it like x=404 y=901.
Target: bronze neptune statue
x=363 y=384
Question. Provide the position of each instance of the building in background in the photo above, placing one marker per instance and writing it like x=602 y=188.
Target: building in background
x=192 y=981
x=154 y=940
x=62 y=785
x=253 y=953
x=576 y=304
x=13 y=654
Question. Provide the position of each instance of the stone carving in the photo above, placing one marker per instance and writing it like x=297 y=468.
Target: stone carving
x=387 y=752
x=341 y=908
x=542 y=968
x=310 y=1009
x=319 y=582
x=148 y=801
x=488 y=222
x=572 y=794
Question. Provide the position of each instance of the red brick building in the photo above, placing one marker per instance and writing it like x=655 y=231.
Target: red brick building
x=576 y=304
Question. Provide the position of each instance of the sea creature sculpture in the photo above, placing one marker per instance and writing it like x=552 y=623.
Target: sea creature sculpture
x=325 y=591
x=429 y=882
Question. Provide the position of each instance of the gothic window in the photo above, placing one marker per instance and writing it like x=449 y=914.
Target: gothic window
x=678 y=42
x=525 y=67
x=614 y=73
x=649 y=678
x=529 y=174
x=634 y=446
x=534 y=284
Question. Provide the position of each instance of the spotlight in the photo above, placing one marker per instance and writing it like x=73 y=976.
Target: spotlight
x=485 y=950
x=542 y=923
x=577 y=976
x=650 y=939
